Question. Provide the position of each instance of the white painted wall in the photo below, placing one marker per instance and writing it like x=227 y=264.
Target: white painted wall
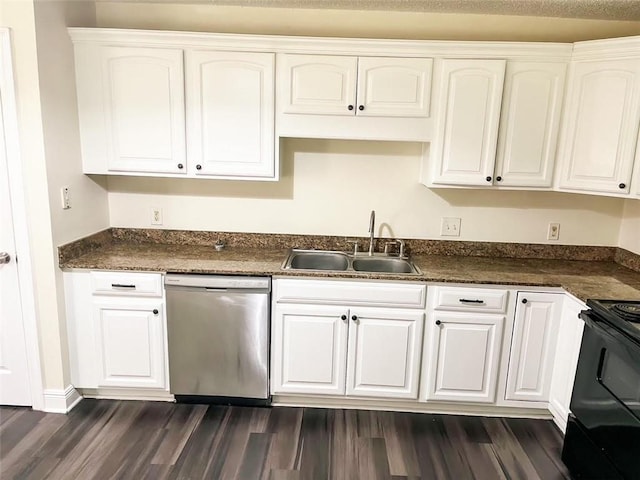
x=630 y=227
x=337 y=183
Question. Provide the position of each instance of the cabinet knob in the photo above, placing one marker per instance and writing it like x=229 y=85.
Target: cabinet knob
x=198 y=167
x=488 y=179
x=354 y=318
x=438 y=322
x=524 y=300
x=498 y=178
x=343 y=317
x=350 y=107
x=180 y=166
x=361 y=107
x=155 y=311
x=622 y=186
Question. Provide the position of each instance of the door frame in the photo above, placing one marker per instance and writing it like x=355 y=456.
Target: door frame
x=20 y=228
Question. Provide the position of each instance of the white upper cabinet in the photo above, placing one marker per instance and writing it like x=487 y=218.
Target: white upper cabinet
x=364 y=86
x=535 y=333
x=230 y=104
x=318 y=84
x=469 y=99
x=131 y=109
x=529 y=124
x=394 y=87
x=600 y=130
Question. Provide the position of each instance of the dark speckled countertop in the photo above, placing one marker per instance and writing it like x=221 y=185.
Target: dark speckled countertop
x=582 y=278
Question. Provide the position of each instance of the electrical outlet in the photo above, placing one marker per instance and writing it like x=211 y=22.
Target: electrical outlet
x=156 y=216
x=66 y=198
x=554 y=231
x=450 y=227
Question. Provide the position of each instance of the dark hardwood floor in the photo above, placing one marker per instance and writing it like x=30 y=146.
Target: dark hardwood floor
x=103 y=439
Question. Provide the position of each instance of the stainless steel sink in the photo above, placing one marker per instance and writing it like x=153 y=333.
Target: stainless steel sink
x=383 y=265
x=317 y=260
x=327 y=260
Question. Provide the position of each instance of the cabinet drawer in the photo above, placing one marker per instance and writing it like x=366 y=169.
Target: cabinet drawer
x=125 y=283
x=350 y=293
x=471 y=299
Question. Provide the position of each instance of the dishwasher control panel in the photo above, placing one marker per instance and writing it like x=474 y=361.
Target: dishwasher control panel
x=217 y=281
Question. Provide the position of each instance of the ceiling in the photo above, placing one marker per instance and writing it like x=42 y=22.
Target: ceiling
x=593 y=9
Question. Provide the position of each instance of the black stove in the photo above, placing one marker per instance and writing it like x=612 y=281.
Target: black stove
x=602 y=440
x=622 y=314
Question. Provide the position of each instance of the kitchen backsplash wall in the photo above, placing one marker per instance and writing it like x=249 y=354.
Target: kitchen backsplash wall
x=630 y=227
x=329 y=187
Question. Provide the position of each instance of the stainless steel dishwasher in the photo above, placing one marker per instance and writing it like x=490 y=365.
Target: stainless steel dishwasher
x=218 y=333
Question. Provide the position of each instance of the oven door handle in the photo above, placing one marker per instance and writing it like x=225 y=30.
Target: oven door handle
x=603 y=354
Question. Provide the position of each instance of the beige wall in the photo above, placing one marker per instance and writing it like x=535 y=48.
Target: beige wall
x=630 y=226
x=351 y=23
x=335 y=186
x=89 y=211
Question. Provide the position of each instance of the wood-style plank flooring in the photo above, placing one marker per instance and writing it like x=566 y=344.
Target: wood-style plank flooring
x=103 y=439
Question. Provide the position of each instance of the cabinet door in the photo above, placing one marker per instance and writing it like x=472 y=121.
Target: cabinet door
x=319 y=84
x=529 y=124
x=384 y=352
x=464 y=146
x=394 y=87
x=230 y=109
x=142 y=112
x=130 y=344
x=463 y=361
x=566 y=360
x=535 y=333
x=309 y=349
x=601 y=126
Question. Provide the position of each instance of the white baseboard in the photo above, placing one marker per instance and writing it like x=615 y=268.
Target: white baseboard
x=452 y=408
x=153 y=395
x=60 y=401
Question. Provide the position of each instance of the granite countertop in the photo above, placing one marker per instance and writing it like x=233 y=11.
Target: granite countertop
x=584 y=279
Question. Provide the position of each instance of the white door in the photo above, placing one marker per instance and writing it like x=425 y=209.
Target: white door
x=464 y=146
x=535 y=332
x=384 y=352
x=230 y=113
x=463 y=361
x=318 y=84
x=529 y=123
x=600 y=129
x=130 y=344
x=14 y=375
x=394 y=87
x=309 y=349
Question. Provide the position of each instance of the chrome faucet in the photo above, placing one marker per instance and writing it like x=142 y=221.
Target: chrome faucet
x=372 y=223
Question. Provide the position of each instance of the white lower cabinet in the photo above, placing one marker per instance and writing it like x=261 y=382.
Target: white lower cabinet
x=130 y=344
x=116 y=326
x=464 y=352
x=351 y=349
x=535 y=333
x=309 y=349
x=566 y=360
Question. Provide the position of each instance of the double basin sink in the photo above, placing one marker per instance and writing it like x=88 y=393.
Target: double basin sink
x=344 y=262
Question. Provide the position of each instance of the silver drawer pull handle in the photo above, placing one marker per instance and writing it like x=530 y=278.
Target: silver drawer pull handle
x=465 y=300
x=122 y=285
